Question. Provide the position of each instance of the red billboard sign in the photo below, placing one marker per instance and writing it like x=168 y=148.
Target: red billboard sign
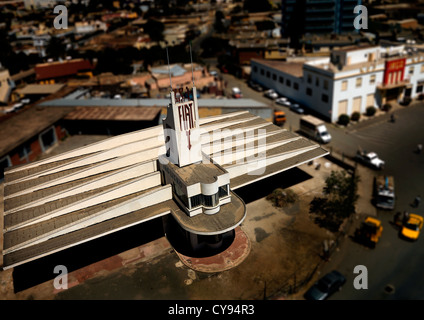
x=394 y=71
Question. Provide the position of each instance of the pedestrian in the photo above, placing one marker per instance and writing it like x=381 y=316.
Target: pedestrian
x=392 y=118
x=405 y=216
x=417 y=201
x=397 y=218
x=419 y=148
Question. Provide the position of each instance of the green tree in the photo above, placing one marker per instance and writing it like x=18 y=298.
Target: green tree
x=257 y=6
x=56 y=48
x=154 y=29
x=339 y=201
x=219 y=24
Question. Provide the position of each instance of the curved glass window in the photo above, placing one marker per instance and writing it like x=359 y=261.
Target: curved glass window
x=211 y=201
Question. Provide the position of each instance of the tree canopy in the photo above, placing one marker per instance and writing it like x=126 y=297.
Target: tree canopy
x=339 y=201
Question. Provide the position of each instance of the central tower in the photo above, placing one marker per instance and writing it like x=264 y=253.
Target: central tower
x=181 y=128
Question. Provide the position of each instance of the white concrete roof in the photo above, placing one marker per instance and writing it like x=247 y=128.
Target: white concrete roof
x=83 y=194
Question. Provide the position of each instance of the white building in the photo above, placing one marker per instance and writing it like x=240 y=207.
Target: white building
x=352 y=79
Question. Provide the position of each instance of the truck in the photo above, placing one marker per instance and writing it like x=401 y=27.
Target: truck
x=314 y=128
x=384 y=192
x=370 y=159
x=369 y=232
x=279 y=117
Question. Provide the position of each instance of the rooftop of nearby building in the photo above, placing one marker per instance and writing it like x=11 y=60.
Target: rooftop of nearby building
x=40 y=89
x=58 y=69
x=114 y=113
x=28 y=123
x=293 y=68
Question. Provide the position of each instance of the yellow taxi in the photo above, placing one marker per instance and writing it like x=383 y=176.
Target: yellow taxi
x=411 y=228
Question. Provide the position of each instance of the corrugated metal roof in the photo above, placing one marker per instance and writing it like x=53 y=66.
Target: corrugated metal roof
x=219 y=103
x=114 y=113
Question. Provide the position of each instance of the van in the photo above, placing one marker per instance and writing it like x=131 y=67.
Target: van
x=315 y=129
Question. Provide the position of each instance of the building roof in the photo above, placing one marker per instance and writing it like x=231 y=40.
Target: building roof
x=355 y=48
x=221 y=103
x=40 y=89
x=83 y=194
x=23 y=74
x=59 y=69
x=26 y=124
x=114 y=113
x=293 y=68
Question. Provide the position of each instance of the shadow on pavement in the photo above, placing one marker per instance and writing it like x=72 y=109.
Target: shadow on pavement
x=262 y=188
x=41 y=270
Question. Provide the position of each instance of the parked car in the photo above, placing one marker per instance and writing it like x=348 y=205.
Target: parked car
x=236 y=93
x=296 y=108
x=283 y=101
x=271 y=94
x=255 y=86
x=326 y=286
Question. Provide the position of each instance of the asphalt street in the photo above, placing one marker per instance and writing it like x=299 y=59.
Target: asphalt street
x=395 y=265
x=394 y=262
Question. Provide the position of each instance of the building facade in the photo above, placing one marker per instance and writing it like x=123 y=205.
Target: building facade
x=324 y=16
x=351 y=80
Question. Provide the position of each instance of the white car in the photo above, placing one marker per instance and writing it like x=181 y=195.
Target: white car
x=370 y=158
x=296 y=108
x=283 y=101
x=271 y=94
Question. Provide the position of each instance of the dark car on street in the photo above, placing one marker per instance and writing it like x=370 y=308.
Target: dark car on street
x=326 y=286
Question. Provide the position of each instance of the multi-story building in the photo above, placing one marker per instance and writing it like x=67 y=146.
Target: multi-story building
x=352 y=79
x=323 y=16
x=6 y=85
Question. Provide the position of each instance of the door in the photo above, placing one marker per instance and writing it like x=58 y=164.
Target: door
x=357 y=102
x=342 y=107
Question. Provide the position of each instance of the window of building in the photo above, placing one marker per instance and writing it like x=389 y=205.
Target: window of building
x=325 y=84
x=317 y=82
x=309 y=78
x=223 y=191
x=295 y=86
x=262 y=72
x=196 y=201
x=281 y=80
x=274 y=77
x=419 y=88
x=309 y=91
x=4 y=163
x=344 y=85
x=411 y=70
x=48 y=138
x=324 y=97
x=268 y=74
x=372 y=79
x=422 y=68
x=358 y=82
x=211 y=201
x=288 y=83
x=255 y=69
x=26 y=149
